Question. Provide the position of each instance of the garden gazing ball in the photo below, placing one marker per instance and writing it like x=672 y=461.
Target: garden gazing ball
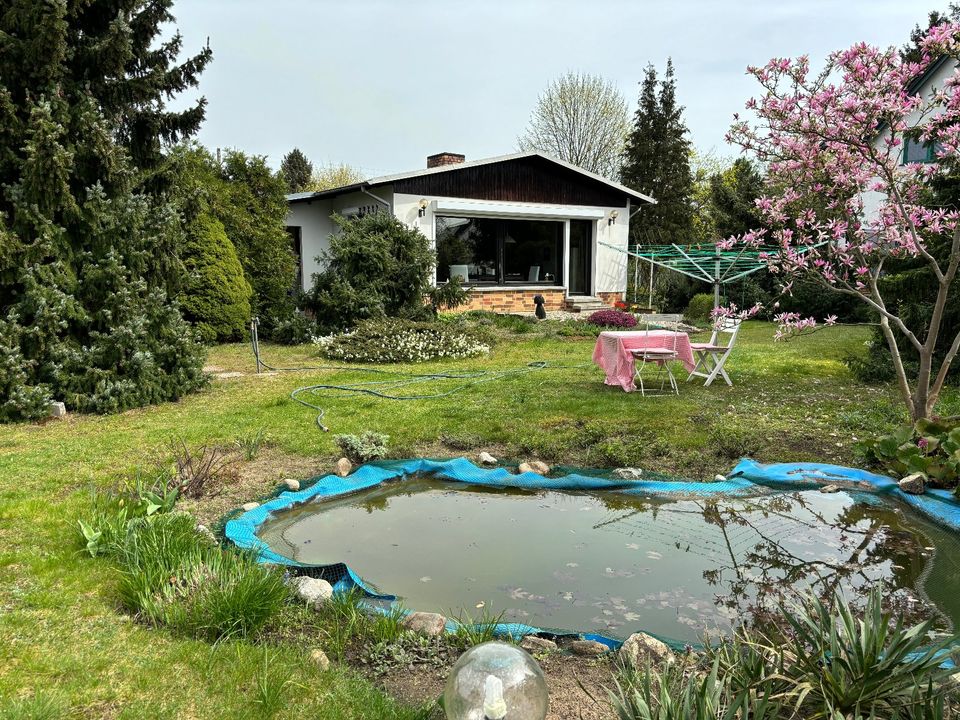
x=495 y=681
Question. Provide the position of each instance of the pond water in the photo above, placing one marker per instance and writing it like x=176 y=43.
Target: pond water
x=613 y=564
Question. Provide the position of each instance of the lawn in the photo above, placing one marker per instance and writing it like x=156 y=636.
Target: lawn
x=60 y=632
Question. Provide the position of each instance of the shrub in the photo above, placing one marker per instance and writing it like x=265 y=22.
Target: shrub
x=215 y=295
x=448 y=296
x=700 y=307
x=361 y=448
x=612 y=318
x=376 y=267
x=386 y=341
x=931 y=447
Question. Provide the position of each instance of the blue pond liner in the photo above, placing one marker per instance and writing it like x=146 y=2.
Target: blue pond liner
x=747 y=478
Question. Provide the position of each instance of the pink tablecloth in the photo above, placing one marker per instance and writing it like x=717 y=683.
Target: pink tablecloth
x=612 y=352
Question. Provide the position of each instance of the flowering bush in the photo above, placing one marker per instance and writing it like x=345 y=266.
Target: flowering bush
x=393 y=340
x=612 y=318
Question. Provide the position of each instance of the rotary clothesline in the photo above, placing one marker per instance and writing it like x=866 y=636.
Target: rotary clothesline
x=703 y=261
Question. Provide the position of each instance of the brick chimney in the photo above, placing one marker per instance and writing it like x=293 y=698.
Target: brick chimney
x=444 y=158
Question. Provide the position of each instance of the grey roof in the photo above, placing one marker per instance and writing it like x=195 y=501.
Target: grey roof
x=387 y=179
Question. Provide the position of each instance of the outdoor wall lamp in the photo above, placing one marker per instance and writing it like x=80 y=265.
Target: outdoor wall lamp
x=612 y=217
x=423 y=207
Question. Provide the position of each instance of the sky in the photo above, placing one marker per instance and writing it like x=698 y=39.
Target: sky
x=381 y=84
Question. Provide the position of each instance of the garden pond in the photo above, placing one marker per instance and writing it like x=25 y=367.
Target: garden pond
x=612 y=563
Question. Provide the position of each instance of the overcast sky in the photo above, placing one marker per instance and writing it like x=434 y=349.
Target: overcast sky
x=381 y=84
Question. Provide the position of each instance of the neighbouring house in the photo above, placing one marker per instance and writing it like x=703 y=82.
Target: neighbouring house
x=912 y=150
x=508 y=227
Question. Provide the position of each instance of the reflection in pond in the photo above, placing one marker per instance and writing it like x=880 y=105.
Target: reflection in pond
x=612 y=563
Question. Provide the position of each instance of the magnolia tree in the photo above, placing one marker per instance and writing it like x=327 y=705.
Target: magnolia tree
x=833 y=139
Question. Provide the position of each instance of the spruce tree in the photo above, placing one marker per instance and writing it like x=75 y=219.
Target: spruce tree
x=83 y=313
x=297 y=171
x=657 y=162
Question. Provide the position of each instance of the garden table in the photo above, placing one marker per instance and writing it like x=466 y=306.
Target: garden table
x=612 y=352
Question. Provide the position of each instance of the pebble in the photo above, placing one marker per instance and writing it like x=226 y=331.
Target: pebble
x=247 y=507
x=829 y=488
x=535 y=466
x=587 y=648
x=534 y=644
x=292 y=485
x=313 y=591
x=425 y=623
x=320 y=658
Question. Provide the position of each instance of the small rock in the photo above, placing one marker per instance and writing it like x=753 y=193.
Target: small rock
x=292 y=485
x=344 y=467
x=829 y=488
x=486 y=458
x=58 y=409
x=535 y=466
x=639 y=646
x=247 y=507
x=587 y=648
x=312 y=591
x=628 y=473
x=534 y=644
x=320 y=658
x=914 y=483
x=719 y=478
x=425 y=623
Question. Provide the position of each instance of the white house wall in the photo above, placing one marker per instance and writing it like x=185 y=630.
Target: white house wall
x=872 y=199
x=316 y=226
x=609 y=265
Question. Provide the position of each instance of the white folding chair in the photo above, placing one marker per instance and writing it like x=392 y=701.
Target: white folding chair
x=711 y=356
x=661 y=357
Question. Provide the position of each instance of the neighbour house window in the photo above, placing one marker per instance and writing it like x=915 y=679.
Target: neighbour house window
x=495 y=252
x=916 y=151
x=296 y=245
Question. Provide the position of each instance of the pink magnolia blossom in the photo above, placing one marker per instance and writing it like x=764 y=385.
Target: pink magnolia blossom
x=840 y=201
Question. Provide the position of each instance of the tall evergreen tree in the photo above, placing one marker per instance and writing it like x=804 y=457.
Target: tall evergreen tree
x=657 y=162
x=83 y=313
x=732 y=195
x=296 y=170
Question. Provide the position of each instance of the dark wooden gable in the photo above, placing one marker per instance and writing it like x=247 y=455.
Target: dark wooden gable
x=529 y=179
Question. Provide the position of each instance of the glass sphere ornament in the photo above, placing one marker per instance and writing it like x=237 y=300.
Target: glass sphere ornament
x=495 y=681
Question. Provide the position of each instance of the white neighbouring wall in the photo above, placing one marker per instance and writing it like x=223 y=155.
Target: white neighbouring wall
x=872 y=198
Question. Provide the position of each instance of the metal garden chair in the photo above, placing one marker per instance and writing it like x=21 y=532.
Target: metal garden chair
x=711 y=356
x=661 y=357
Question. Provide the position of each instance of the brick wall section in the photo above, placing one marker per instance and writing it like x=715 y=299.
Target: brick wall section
x=610 y=298
x=511 y=301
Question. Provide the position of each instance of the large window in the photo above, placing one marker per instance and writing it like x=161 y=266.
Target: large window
x=499 y=252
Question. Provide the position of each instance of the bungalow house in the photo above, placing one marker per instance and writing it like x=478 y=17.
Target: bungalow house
x=508 y=227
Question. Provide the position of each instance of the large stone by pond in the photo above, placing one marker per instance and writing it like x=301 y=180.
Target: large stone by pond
x=425 y=623
x=534 y=466
x=312 y=591
x=344 y=466
x=486 y=458
x=639 y=646
x=587 y=648
x=915 y=483
x=534 y=644
x=628 y=473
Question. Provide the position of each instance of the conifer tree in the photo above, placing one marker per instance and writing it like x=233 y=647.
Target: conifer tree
x=657 y=162
x=296 y=170
x=83 y=313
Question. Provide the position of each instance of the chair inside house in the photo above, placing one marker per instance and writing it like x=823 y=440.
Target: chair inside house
x=711 y=355
x=661 y=357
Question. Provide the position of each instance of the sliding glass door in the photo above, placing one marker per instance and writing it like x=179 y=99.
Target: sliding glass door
x=499 y=251
x=581 y=257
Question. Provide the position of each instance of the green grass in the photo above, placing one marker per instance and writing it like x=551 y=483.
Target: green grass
x=66 y=641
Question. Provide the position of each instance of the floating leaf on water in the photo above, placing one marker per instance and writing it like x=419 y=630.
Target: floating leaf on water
x=425 y=578
x=633 y=546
